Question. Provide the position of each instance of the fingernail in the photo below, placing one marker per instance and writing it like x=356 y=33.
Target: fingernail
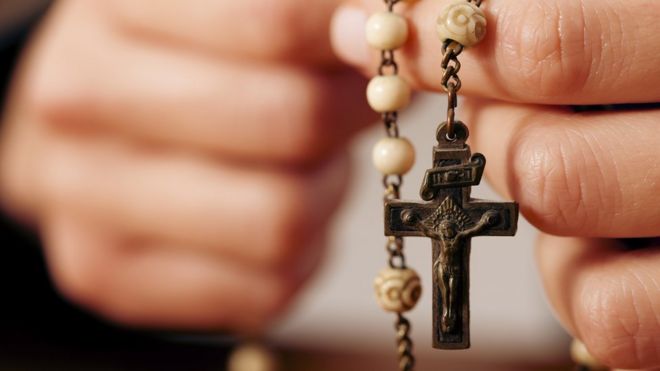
x=347 y=35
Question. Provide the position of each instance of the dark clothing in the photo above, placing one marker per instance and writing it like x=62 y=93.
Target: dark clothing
x=41 y=331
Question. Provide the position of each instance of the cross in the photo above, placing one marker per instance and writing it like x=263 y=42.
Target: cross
x=450 y=217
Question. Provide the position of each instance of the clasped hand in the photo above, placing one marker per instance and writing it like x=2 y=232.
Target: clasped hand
x=181 y=159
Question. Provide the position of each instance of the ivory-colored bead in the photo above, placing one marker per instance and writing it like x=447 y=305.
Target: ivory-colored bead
x=462 y=22
x=252 y=357
x=397 y=290
x=388 y=93
x=581 y=356
x=393 y=156
x=386 y=31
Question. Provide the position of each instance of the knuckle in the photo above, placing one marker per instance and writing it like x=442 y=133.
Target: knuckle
x=119 y=313
x=288 y=224
x=619 y=322
x=62 y=180
x=56 y=101
x=52 y=89
x=80 y=282
x=281 y=295
x=283 y=24
x=559 y=180
x=305 y=125
x=544 y=49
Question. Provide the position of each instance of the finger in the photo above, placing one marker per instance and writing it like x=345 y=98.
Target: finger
x=285 y=30
x=552 y=52
x=587 y=174
x=160 y=285
x=606 y=296
x=256 y=112
x=262 y=217
x=250 y=111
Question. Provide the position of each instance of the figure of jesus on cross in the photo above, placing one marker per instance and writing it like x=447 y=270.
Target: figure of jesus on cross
x=451 y=218
x=449 y=226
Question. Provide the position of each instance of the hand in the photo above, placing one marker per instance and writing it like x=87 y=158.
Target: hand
x=580 y=178
x=181 y=158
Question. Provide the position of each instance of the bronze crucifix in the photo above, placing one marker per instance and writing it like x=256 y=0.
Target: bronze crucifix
x=450 y=217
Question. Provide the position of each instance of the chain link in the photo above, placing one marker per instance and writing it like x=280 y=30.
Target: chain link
x=391 y=3
x=404 y=344
x=450 y=64
x=387 y=62
x=451 y=82
x=394 y=247
x=391 y=124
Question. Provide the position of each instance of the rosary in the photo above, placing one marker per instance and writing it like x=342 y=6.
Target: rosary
x=448 y=215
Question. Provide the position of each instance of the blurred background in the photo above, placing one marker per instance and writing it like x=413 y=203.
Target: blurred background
x=512 y=326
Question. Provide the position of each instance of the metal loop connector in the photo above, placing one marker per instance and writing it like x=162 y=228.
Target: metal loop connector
x=387 y=61
x=391 y=3
x=394 y=247
x=452 y=103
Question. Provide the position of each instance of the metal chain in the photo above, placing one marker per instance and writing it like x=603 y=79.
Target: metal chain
x=394 y=247
x=387 y=61
x=392 y=183
x=405 y=344
x=391 y=4
x=451 y=82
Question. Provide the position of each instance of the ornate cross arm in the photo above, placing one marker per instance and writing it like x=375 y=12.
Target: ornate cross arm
x=504 y=215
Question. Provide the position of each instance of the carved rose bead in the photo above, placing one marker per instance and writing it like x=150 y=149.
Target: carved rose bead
x=393 y=156
x=397 y=290
x=462 y=22
x=386 y=31
x=388 y=93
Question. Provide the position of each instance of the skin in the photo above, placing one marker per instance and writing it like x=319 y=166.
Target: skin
x=172 y=181
x=162 y=140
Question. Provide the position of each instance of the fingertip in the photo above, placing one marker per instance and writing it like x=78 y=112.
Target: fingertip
x=347 y=36
x=604 y=297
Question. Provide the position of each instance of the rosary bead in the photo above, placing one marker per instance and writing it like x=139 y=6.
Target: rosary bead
x=581 y=356
x=462 y=22
x=386 y=31
x=393 y=156
x=388 y=93
x=397 y=290
x=252 y=357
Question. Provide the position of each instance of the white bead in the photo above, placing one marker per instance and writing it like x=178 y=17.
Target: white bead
x=386 y=31
x=581 y=356
x=462 y=22
x=252 y=357
x=393 y=156
x=397 y=290
x=388 y=93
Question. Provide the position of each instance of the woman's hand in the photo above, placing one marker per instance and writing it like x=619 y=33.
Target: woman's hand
x=181 y=158
x=582 y=178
